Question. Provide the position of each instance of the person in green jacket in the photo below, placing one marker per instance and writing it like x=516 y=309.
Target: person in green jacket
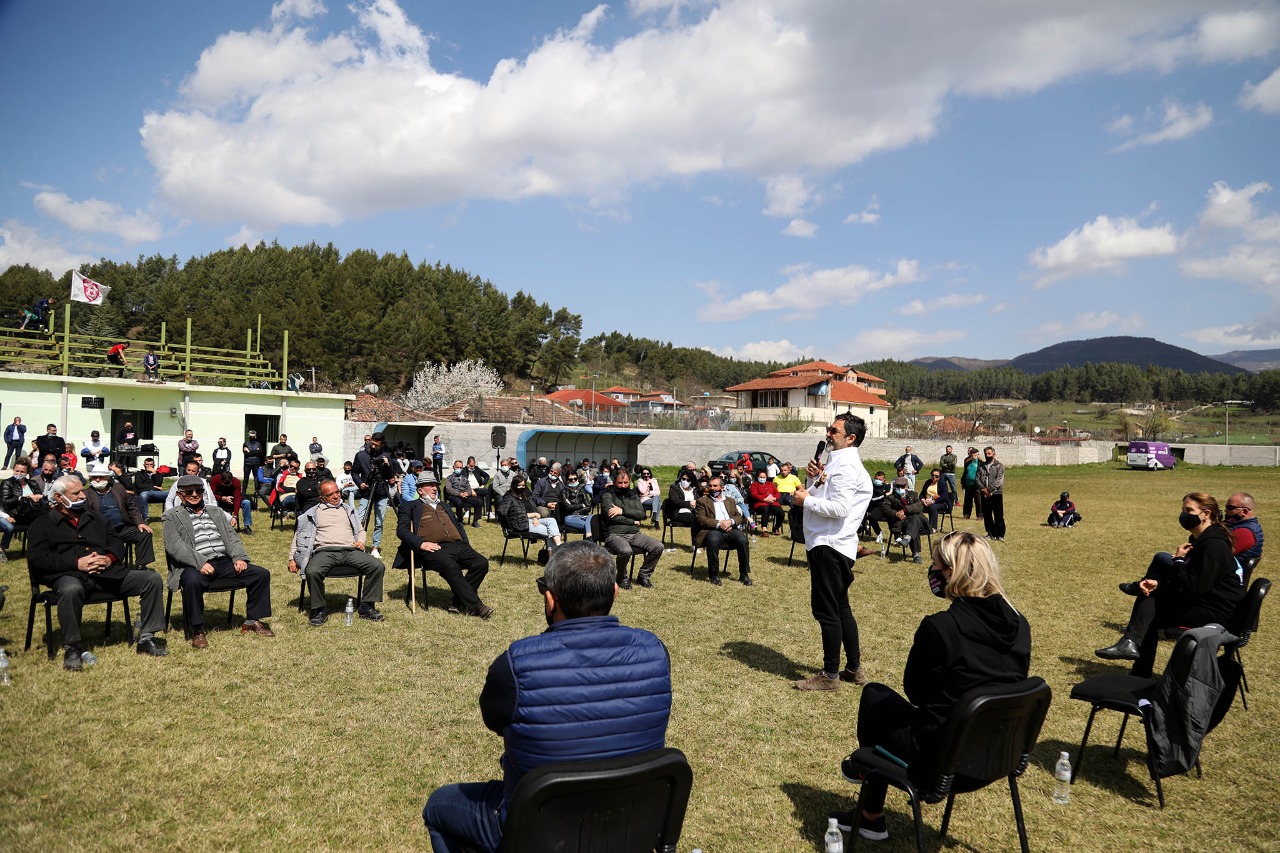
x=622 y=513
x=969 y=482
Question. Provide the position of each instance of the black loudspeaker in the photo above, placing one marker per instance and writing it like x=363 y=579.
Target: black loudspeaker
x=498 y=436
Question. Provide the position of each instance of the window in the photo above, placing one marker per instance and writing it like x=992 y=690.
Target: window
x=144 y=423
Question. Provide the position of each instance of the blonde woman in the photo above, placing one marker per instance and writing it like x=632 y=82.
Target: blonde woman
x=979 y=640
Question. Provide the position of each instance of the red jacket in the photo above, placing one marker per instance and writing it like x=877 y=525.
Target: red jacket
x=760 y=492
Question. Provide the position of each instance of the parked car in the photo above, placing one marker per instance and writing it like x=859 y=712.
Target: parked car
x=1152 y=455
x=759 y=460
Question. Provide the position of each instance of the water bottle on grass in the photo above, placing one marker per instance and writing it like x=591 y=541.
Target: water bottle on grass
x=833 y=841
x=1062 y=780
x=6 y=680
x=349 y=612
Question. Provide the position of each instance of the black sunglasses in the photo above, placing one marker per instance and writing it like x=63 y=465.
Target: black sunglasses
x=542 y=585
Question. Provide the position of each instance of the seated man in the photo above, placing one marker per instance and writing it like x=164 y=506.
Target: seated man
x=329 y=536
x=906 y=517
x=575 y=506
x=436 y=540
x=146 y=488
x=457 y=488
x=1246 y=530
x=718 y=526
x=876 y=511
x=478 y=480
x=786 y=482
x=547 y=492
x=622 y=516
x=937 y=497
x=191 y=469
x=108 y=498
x=307 y=490
x=1062 y=512
x=409 y=482
x=231 y=500
x=75 y=551
x=589 y=688
x=202 y=546
x=538 y=470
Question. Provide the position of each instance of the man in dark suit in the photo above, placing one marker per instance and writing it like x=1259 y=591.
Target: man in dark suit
x=75 y=550
x=719 y=526
x=437 y=540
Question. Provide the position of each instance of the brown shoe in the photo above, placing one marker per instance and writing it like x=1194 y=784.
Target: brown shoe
x=853 y=676
x=483 y=611
x=821 y=681
x=262 y=629
x=200 y=641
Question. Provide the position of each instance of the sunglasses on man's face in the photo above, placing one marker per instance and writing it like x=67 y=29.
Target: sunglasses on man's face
x=189 y=492
x=542 y=585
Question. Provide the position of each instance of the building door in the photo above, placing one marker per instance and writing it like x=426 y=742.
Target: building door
x=267 y=427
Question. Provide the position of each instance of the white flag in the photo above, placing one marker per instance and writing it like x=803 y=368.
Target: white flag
x=87 y=290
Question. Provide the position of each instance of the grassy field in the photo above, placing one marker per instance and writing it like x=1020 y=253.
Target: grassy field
x=332 y=738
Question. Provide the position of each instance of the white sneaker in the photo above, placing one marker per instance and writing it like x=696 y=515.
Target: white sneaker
x=879 y=538
x=375 y=553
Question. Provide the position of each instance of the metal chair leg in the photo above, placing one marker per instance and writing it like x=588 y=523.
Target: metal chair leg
x=1084 y=740
x=1120 y=739
x=1017 y=813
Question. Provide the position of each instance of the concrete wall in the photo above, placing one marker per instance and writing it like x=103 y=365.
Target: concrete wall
x=1266 y=456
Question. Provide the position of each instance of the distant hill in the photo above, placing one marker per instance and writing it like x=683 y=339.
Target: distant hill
x=1121 y=349
x=1252 y=360
x=956 y=362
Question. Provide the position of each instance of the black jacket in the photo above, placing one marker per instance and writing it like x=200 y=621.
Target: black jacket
x=23 y=511
x=1207 y=577
x=54 y=546
x=407 y=517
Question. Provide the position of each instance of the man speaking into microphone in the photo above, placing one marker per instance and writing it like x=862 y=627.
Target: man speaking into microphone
x=834 y=500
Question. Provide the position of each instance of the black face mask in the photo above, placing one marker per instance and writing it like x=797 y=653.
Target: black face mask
x=937 y=583
x=1189 y=521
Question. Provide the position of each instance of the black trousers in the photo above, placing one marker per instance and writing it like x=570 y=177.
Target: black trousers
x=972 y=501
x=72 y=591
x=255 y=580
x=993 y=515
x=714 y=540
x=770 y=513
x=885 y=720
x=830 y=574
x=462 y=568
x=1162 y=609
x=144 y=552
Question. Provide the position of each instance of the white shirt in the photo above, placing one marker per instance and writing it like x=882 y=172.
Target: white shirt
x=834 y=510
x=772 y=470
x=722 y=514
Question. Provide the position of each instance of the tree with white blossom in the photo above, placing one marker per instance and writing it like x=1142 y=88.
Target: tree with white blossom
x=435 y=386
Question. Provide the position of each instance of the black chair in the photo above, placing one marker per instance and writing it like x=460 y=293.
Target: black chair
x=49 y=599
x=1128 y=694
x=216 y=585
x=989 y=736
x=633 y=804
x=341 y=572
x=795 y=527
x=1245 y=624
x=524 y=537
x=20 y=533
x=598 y=537
x=671 y=520
x=1248 y=566
x=693 y=559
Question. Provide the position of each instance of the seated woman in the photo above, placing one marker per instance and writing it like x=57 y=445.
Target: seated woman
x=936 y=496
x=574 y=508
x=1194 y=587
x=766 y=501
x=681 y=497
x=979 y=640
x=518 y=512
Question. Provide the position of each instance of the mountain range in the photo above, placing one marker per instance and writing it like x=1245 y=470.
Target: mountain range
x=1123 y=349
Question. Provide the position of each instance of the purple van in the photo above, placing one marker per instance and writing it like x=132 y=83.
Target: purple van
x=1152 y=455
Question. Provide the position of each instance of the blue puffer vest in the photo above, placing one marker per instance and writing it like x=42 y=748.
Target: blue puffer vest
x=586 y=689
x=1256 y=550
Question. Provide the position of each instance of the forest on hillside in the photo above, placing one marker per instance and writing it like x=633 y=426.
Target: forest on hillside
x=366 y=317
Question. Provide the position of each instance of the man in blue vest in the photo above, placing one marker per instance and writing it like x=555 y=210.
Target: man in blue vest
x=1246 y=531
x=586 y=688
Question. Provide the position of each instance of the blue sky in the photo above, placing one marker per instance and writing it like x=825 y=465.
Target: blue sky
x=768 y=179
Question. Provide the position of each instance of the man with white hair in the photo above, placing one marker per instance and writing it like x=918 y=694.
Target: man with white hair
x=74 y=550
x=107 y=496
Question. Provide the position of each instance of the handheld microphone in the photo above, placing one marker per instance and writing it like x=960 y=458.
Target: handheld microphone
x=817 y=454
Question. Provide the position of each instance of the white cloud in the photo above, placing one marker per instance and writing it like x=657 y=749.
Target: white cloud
x=1103 y=244
x=1264 y=96
x=808 y=291
x=1251 y=251
x=895 y=342
x=95 y=215
x=20 y=244
x=954 y=300
x=782 y=350
x=288 y=125
x=1176 y=122
x=1247 y=263
x=1084 y=323
x=1234 y=337
x=868 y=216
x=800 y=228
x=1232 y=208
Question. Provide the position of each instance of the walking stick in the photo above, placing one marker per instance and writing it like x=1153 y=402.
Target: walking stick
x=413 y=590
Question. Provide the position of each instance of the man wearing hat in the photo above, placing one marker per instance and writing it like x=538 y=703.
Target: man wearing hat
x=107 y=497
x=435 y=538
x=330 y=536
x=1062 y=512
x=202 y=546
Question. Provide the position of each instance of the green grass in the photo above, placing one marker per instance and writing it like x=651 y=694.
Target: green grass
x=332 y=738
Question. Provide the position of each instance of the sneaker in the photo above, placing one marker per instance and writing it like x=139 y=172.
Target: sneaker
x=853 y=676
x=844 y=820
x=375 y=553
x=904 y=539
x=821 y=681
x=873 y=830
x=851 y=774
x=879 y=538
x=4 y=558
x=916 y=558
x=71 y=659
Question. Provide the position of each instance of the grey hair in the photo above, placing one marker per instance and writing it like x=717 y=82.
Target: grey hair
x=64 y=482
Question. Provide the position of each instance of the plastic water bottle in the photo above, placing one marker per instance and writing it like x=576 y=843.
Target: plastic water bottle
x=89 y=658
x=349 y=612
x=833 y=841
x=6 y=680
x=1062 y=780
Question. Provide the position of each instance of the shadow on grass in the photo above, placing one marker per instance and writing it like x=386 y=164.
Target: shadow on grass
x=797 y=562
x=764 y=659
x=1089 y=667
x=810 y=806
x=1125 y=776
x=437 y=595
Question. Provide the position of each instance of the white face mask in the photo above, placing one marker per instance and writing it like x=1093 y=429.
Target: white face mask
x=504 y=469
x=100 y=485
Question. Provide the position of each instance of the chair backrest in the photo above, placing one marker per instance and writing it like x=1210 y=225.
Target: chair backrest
x=597 y=529
x=1246 y=621
x=795 y=524
x=990 y=734
x=1247 y=567
x=633 y=804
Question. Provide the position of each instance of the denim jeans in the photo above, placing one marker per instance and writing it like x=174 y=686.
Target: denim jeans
x=379 y=510
x=145 y=500
x=7 y=528
x=463 y=816
x=577 y=523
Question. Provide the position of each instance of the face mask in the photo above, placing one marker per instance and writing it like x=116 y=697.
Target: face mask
x=19 y=477
x=99 y=485
x=937 y=583
x=457 y=470
x=553 y=477
x=75 y=507
x=573 y=482
x=899 y=492
x=1189 y=521
x=761 y=479
x=715 y=493
x=879 y=482
x=504 y=468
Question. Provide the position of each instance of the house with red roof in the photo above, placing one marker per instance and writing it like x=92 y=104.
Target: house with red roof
x=819 y=390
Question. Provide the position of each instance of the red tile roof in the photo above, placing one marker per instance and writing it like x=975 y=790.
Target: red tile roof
x=600 y=401
x=372 y=409
x=848 y=392
x=513 y=410
x=867 y=376
x=777 y=383
x=811 y=367
x=619 y=389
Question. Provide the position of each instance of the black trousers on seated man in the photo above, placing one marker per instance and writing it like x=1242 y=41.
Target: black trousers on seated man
x=450 y=562
x=72 y=591
x=475 y=503
x=144 y=552
x=325 y=560
x=255 y=580
x=714 y=540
